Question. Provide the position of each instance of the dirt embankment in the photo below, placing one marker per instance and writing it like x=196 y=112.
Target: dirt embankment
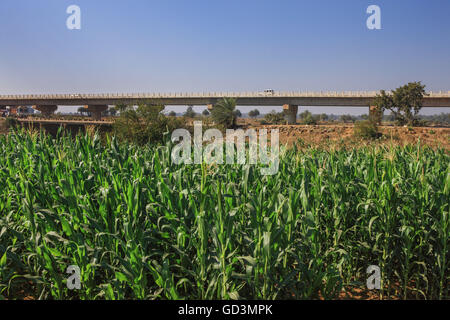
x=343 y=135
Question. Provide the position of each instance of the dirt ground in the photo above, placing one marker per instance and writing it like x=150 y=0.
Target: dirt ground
x=342 y=135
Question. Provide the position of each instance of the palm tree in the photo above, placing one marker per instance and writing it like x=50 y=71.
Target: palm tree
x=223 y=113
x=121 y=108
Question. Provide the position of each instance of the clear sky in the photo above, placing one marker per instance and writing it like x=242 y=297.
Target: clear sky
x=222 y=45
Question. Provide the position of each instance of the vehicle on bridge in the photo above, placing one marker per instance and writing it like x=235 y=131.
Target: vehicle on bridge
x=267 y=92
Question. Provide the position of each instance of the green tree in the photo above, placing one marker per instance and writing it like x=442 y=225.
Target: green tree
x=308 y=118
x=121 y=108
x=190 y=113
x=404 y=102
x=223 y=113
x=254 y=113
x=305 y=114
x=205 y=112
x=274 y=117
x=145 y=124
x=112 y=111
x=172 y=114
x=238 y=113
x=347 y=118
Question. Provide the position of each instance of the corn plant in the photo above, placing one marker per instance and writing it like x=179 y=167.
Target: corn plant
x=140 y=227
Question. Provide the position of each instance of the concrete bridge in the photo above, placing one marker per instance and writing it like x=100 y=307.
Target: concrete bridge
x=97 y=103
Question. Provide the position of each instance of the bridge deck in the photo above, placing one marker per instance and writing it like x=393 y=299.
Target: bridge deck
x=346 y=99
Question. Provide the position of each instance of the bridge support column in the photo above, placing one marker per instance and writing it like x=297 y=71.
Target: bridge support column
x=96 y=111
x=290 y=112
x=47 y=110
x=375 y=114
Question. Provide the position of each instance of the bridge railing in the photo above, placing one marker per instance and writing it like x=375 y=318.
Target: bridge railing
x=169 y=95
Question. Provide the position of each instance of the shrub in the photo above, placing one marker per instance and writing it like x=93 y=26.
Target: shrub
x=274 y=118
x=11 y=122
x=366 y=130
x=143 y=125
x=190 y=113
x=347 y=118
x=223 y=113
x=254 y=113
x=310 y=120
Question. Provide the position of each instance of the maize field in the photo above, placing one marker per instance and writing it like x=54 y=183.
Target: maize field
x=140 y=227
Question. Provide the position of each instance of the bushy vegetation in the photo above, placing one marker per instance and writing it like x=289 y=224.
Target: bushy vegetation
x=404 y=102
x=190 y=113
x=274 y=117
x=308 y=118
x=347 y=118
x=223 y=113
x=140 y=227
x=366 y=130
x=254 y=113
x=11 y=122
x=144 y=124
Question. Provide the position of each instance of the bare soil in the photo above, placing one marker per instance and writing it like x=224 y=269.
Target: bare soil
x=342 y=135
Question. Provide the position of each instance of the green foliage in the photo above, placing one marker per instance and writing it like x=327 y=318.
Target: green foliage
x=111 y=112
x=238 y=113
x=140 y=227
x=11 y=122
x=404 y=102
x=144 y=125
x=305 y=114
x=206 y=112
x=172 y=114
x=308 y=118
x=274 y=117
x=347 y=118
x=254 y=113
x=366 y=129
x=364 y=116
x=121 y=108
x=223 y=113
x=190 y=113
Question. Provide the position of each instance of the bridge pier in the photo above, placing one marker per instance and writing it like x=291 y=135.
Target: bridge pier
x=290 y=112
x=375 y=114
x=96 y=111
x=46 y=110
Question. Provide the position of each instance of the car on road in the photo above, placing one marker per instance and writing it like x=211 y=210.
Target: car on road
x=267 y=92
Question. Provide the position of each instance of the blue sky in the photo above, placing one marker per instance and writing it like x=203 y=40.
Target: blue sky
x=232 y=45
